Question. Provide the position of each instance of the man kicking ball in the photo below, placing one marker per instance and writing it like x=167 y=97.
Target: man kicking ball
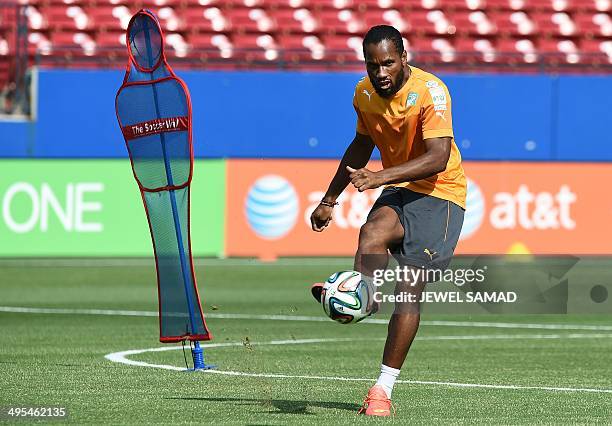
x=406 y=113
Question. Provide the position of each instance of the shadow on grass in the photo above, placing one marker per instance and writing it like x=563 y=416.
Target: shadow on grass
x=281 y=406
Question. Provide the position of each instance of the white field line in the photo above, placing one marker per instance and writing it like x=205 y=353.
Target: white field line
x=60 y=311
x=121 y=357
x=85 y=262
x=216 y=315
x=150 y=262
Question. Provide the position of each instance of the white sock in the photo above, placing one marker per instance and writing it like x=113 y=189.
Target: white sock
x=387 y=378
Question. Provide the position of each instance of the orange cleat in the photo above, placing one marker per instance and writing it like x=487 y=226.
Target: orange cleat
x=376 y=403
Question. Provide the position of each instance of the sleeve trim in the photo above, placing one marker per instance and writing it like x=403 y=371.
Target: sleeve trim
x=438 y=133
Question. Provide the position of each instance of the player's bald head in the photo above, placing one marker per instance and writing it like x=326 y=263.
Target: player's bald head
x=379 y=33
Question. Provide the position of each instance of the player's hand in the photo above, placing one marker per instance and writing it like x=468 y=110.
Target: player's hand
x=363 y=179
x=320 y=217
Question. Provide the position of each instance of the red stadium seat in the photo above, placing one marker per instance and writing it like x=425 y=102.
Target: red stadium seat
x=57 y=17
x=549 y=50
x=473 y=23
x=474 y=51
x=421 y=22
x=63 y=39
x=201 y=41
x=597 y=52
x=102 y=17
x=602 y=24
x=4 y=45
x=240 y=20
x=285 y=21
x=251 y=47
x=504 y=24
x=171 y=20
x=211 y=47
x=36 y=19
x=196 y=21
x=302 y=49
x=377 y=16
x=517 y=51
x=39 y=43
x=431 y=50
x=114 y=39
x=73 y=44
x=554 y=24
x=602 y=5
x=343 y=48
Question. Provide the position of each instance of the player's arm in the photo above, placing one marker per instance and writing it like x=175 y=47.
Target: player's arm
x=432 y=162
x=357 y=156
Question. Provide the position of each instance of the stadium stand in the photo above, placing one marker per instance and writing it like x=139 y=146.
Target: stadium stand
x=317 y=32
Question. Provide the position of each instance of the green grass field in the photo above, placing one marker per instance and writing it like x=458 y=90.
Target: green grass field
x=457 y=372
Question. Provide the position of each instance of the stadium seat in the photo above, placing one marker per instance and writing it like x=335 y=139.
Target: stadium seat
x=474 y=51
x=557 y=24
x=551 y=52
x=301 y=48
x=75 y=44
x=102 y=18
x=432 y=50
x=57 y=18
x=524 y=24
x=343 y=48
x=377 y=16
x=211 y=46
x=517 y=51
x=597 y=52
x=114 y=39
x=196 y=21
x=240 y=20
x=218 y=20
x=63 y=39
x=285 y=21
x=39 y=43
x=4 y=46
x=255 y=47
x=36 y=20
x=171 y=20
x=481 y=23
x=603 y=24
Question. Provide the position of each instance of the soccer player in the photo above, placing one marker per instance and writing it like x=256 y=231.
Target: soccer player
x=406 y=113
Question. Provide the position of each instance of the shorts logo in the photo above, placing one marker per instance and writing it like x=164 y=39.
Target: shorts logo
x=430 y=253
x=412 y=98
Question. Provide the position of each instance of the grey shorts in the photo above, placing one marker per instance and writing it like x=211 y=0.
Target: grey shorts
x=431 y=227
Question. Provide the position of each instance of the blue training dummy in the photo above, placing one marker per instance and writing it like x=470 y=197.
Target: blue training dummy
x=154 y=112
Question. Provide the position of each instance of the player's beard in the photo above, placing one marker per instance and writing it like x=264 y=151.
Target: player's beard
x=387 y=93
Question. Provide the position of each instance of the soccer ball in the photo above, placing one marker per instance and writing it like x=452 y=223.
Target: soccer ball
x=345 y=297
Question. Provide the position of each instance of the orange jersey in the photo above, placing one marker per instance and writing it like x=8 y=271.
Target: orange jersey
x=420 y=110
